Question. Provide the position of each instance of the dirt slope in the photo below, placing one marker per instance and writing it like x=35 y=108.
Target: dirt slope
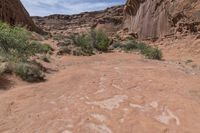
x=108 y=93
x=14 y=13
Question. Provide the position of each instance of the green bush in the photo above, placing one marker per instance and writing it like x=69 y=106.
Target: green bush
x=130 y=45
x=85 y=42
x=16 y=47
x=100 y=40
x=37 y=47
x=142 y=46
x=152 y=53
x=15 y=44
x=29 y=72
x=146 y=50
x=95 y=40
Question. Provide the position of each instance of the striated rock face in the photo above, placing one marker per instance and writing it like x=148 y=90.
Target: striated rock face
x=159 y=18
x=14 y=13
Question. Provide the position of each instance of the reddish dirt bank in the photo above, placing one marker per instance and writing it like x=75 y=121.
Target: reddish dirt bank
x=108 y=93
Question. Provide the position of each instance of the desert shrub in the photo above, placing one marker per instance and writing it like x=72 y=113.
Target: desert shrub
x=100 y=40
x=142 y=46
x=29 y=72
x=95 y=40
x=85 y=42
x=146 y=50
x=152 y=53
x=16 y=47
x=130 y=45
x=37 y=47
x=15 y=44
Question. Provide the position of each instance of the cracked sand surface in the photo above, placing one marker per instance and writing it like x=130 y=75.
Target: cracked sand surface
x=108 y=93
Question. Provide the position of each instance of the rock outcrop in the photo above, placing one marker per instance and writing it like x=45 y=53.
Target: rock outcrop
x=14 y=13
x=110 y=19
x=152 y=19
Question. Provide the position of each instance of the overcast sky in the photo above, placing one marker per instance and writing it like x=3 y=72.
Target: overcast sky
x=47 y=7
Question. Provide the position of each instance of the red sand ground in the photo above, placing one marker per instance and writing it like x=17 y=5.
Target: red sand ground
x=107 y=93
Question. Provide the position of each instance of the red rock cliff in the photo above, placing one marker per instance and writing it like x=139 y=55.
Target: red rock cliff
x=14 y=13
x=158 y=18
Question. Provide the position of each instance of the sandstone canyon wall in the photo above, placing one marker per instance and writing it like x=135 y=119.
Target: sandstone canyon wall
x=14 y=13
x=158 y=18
